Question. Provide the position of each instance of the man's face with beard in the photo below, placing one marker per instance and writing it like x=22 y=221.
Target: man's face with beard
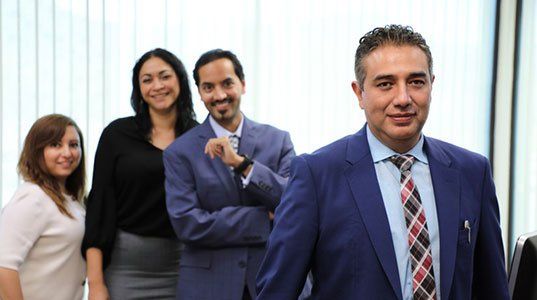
x=220 y=90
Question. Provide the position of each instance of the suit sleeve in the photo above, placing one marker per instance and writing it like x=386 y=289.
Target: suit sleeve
x=228 y=227
x=490 y=277
x=101 y=203
x=266 y=185
x=292 y=241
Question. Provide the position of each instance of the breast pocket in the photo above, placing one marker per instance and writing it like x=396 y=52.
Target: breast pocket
x=465 y=254
x=467 y=232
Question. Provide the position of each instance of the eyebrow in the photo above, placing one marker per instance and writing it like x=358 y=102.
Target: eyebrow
x=383 y=77
x=417 y=74
x=389 y=76
x=159 y=73
x=227 y=79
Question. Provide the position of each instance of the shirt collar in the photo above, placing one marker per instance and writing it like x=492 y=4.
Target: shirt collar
x=220 y=131
x=380 y=152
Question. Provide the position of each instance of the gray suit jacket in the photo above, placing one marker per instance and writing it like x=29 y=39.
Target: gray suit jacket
x=224 y=226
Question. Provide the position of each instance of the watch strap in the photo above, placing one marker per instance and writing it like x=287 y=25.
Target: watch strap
x=243 y=165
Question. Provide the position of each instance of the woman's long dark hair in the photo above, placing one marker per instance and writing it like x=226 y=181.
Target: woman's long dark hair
x=45 y=131
x=186 y=118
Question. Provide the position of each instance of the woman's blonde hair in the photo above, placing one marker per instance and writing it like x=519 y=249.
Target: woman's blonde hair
x=44 y=132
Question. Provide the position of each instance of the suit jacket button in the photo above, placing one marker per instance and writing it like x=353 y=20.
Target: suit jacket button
x=242 y=264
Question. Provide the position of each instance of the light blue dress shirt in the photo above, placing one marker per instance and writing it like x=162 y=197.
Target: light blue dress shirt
x=389 y=177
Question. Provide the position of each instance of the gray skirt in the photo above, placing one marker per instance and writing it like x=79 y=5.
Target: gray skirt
x=143 y=267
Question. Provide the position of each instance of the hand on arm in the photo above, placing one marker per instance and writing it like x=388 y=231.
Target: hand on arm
x=10 y=285
x=97 y=287
x=215 y=220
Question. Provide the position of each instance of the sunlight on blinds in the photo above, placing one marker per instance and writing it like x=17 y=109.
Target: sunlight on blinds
x=75 y=57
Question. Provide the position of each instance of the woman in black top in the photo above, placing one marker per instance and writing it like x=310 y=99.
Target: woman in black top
x=128 y=233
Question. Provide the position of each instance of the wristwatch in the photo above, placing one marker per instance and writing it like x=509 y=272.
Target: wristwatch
x=243 y=165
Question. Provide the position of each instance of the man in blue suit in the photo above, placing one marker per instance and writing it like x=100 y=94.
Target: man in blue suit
x=220 y=199
x=388 y=213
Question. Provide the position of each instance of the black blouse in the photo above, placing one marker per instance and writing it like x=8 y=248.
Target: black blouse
x=127 y=190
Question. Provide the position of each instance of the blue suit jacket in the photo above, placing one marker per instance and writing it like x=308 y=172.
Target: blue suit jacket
x=224 y=227
x=332 y=219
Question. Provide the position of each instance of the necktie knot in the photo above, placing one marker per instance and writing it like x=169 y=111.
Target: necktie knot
x=234 y=141
x=403 y=162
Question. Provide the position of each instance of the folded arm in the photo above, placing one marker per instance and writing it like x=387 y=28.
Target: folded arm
x=266 y=185
x=195 y=225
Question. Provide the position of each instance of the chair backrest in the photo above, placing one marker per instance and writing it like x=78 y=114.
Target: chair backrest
x=523 y=273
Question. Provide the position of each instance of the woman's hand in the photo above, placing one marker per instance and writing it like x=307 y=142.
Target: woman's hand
x=98 y=291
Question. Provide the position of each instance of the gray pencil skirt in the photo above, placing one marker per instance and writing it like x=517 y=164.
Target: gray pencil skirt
x=143 y=267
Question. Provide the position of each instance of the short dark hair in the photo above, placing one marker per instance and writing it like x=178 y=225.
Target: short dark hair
x=185 y=110
x=32 y=167
x=397 y=35
x=213 y=55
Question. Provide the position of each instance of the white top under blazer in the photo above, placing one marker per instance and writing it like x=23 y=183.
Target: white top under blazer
x=43 y=245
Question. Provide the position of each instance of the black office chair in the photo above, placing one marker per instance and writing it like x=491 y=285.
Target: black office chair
x=523 y=273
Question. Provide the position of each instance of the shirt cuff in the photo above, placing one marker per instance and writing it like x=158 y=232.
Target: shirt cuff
x=246 y=180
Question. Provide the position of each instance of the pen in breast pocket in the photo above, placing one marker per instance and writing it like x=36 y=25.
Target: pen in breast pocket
x=467 y=227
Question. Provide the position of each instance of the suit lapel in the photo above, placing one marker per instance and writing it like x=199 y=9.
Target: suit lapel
x=446 y=185
x=219 y=167
x=247 y=143
x=364 y=185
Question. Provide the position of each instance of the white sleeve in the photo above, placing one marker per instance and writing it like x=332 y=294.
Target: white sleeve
x=246 y=180
x=22 y=222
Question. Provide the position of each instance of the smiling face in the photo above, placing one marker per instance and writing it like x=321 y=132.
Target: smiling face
x=63 y=157
x=159 y=85
x=220 y=90
x=396 y=94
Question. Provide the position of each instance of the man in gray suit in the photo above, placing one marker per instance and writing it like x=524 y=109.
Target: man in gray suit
x=224 y=179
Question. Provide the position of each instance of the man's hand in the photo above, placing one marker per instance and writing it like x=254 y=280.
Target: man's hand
x=222 y=148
